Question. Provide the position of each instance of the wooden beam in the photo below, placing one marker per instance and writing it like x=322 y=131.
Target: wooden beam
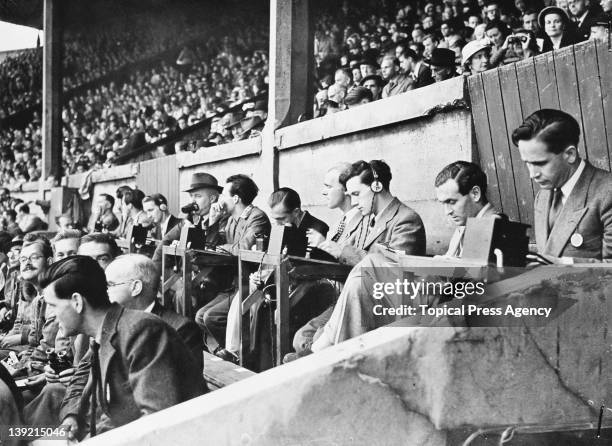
x=52 y=91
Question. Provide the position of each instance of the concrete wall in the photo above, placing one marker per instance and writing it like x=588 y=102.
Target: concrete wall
x=418 y=385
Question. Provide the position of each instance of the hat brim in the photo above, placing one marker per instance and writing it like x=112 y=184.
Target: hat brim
x=203 y=186
x=552 y=10
x=435 y=64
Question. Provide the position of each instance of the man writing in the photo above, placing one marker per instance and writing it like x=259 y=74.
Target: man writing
x=394 y=225
x=573 y=209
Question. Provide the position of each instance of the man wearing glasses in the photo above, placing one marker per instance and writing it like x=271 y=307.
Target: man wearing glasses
x=34 y=258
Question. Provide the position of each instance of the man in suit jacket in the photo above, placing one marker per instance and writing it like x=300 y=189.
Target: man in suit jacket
x=461 y=187
x=413 y=65
x=583 y=14
x=286 y=210
x=352 y=220
x=134 y=354
x=133 y=280
x=573 y=209
x=394 y=225
x=162 y=221
x=244 y=224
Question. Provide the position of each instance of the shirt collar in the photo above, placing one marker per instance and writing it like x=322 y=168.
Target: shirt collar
x=149 y=309
x=164 y=225
x=246 y=211
x=485 y=208
x=569 y=185
x=377 y=217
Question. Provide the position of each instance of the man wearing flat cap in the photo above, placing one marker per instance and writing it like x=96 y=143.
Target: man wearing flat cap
x=600 y=29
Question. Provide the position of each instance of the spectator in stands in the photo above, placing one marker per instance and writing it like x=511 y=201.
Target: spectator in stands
x=133 y=281
x=600 y=29
x=10 y=222
x=412 y=64
x=492 y=11
x=12 y=286
x=102 y=217
x=476 y=56
x=28 y=222
x=606 y=5
x=143 y=347
x=442 y=64
x=397 y=82
x=374 y=83
x=557 y=28
x=394 y=225
x=65 y=244
x=530 y=22
x=162 y=221
x=101 y=247
x=358 y=96
x=430 y=42
x=497 y=33
x=582 y=15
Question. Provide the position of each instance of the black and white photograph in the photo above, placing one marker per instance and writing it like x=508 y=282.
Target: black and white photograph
x=306 y=222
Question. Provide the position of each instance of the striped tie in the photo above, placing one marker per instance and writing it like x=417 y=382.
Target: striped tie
x=340 y=230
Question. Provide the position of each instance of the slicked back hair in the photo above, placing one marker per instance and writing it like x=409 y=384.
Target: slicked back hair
x=555 y=128
x=466 y=175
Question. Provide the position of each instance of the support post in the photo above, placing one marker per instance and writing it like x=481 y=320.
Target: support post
x=52 y=91
x=291 y=84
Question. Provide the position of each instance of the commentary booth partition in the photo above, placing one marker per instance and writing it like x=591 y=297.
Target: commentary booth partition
x=417 y=133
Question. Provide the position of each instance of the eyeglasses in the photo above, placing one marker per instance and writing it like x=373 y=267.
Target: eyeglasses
x=113 y=284
x=32 y=258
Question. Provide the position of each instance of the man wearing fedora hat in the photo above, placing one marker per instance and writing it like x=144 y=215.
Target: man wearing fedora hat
x=203 y=190
x=600 y=29
x=442 y=64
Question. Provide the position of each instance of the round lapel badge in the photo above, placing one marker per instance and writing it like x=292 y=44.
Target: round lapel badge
x=576 y=240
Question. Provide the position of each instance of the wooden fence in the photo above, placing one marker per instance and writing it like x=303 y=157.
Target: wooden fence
x=577 y=80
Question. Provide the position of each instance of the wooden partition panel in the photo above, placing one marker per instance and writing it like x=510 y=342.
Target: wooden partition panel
x=577 y=80
x=161 y=175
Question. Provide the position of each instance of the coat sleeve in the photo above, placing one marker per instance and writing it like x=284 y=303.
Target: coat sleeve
x=72 y=405
x=408 y=235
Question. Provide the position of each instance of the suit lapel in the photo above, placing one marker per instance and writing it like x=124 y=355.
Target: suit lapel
x=381 y=225
x=571 y=214
x=107 y=351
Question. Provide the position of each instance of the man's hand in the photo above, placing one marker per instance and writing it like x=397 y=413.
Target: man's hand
x=315 y=238
x=73 y=428
x=11 y=341
x=217 y=210
x=331 y=248
x=50 y=375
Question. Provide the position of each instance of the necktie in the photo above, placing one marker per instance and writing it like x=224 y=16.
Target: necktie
x=96 y=382
x=340 y=230
x=556 y=204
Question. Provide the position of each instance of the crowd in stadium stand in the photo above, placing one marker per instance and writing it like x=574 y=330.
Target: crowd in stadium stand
x=364 y=52
x=211 y=75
